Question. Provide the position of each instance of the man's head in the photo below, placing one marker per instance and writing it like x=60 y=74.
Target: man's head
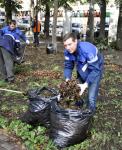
x=70 y=42
x=12 y=24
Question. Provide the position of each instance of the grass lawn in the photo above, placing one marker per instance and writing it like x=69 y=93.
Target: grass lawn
x=40 y=69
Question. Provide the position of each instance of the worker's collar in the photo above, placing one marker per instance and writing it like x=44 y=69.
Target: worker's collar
x=11 y=29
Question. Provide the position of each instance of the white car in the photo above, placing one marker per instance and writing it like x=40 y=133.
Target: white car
x=77 y=28
x=97 y=29
x=2 y=22
x=24 y=24
x=59 y=30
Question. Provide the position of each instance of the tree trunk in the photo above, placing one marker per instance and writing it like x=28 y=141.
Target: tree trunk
x=90 y=32
x=32 y=8
x=119 y=29
x=66 y=23
x=47 y=21
x=102 y=18
x=112 y=34
x=8 y=10
x=54 y=42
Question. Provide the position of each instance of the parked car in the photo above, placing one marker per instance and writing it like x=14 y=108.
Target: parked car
x=97 y=29
x=24 y=24
x=77 y=28
x=59 y=30
x=2 y=21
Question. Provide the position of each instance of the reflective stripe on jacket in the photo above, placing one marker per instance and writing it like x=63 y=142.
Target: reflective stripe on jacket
x=88 y=61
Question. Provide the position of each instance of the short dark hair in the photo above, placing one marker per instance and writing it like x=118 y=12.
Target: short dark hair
x=12 y=22
x=70 y=35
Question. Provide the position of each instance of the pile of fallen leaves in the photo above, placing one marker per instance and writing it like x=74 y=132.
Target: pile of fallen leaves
x=40 y=74
x=69 y=93
x=46 y=73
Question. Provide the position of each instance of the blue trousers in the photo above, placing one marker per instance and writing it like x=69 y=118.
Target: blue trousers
x=92 y=93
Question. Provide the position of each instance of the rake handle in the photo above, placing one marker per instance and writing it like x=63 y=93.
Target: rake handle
x=14 y=91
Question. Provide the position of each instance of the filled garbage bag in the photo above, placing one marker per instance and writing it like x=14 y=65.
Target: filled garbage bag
x=68 y=127
x=50 y=48
x=38 y=112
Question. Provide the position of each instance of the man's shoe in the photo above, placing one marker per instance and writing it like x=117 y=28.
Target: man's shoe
x=11 y=79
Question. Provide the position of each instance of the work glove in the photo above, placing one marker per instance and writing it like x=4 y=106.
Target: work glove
x=67 y=79
x=82 y=87
x=27 y=42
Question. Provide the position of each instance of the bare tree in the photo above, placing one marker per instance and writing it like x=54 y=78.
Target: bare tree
x=32 y=8
x=47 y=21
x=90 y=32
x=119 y=29
x=54 y=41
x=102 y=18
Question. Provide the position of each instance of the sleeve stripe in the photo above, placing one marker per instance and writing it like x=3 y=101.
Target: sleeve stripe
x=11 y=36
x=17 y=40
x=95 y=58
x=66 y=58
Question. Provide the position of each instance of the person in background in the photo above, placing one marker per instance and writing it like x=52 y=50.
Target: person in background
x=9 y=37
x=89 y=66
x=36 y=27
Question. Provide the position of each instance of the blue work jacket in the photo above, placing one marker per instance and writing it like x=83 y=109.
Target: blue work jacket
x=15 y=34
x=88 y=61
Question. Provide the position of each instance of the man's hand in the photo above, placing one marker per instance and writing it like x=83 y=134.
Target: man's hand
x=82 y=87
x=27 y=42
x=67 y=80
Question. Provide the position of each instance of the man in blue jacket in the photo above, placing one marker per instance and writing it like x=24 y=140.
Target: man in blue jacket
x=89 y=66
x=9 y=37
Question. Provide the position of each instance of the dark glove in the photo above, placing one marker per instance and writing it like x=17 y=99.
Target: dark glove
x=79 y=103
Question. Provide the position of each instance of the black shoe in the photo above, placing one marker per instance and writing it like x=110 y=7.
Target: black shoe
x=6 y=80
x=11 y=80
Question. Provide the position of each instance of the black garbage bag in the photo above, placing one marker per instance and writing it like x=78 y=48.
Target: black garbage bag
x=38 y=112
x=50 y=48
x=68 y=127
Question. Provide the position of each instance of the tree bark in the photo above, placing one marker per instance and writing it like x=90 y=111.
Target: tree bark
x=119 y=29
x=90 y=32
x=47 y=21
x=102 y=18
x=8 y=10
x=54 y=41
x=66 y=23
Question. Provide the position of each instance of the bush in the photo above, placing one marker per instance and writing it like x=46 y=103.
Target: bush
x=102 y=44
